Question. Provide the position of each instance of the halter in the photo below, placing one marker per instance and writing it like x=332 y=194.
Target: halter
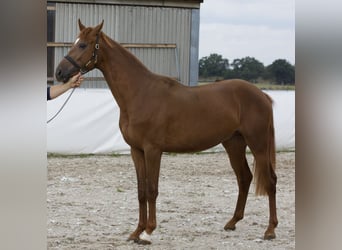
x=93 y=58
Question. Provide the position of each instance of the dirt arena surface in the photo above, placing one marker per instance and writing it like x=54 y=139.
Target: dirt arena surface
x=92 y=204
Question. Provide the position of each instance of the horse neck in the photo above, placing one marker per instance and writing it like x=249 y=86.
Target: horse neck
x=126 y=76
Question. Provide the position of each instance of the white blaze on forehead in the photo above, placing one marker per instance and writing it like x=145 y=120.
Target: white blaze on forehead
x=77 y=40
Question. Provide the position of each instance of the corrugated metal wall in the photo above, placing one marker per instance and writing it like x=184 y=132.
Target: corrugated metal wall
x=133 y=24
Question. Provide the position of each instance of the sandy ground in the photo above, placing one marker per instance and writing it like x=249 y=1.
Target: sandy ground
x=92 y=204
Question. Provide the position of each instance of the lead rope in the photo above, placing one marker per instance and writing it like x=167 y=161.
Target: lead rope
x=62 y=106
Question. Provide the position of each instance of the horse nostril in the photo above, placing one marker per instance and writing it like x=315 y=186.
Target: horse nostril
x=58 y=73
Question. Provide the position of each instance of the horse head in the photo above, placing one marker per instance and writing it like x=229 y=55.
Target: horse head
x=82 y=56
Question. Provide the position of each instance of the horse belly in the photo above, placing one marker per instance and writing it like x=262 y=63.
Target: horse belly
x=189 y=147
x=198 y=137
x=200 y=125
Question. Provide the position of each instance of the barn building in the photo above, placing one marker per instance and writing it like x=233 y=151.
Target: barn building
x=163 y=34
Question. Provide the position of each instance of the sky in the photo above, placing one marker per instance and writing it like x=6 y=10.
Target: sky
x=263 y=29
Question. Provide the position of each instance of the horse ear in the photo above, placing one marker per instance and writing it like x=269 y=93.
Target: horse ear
x=82 y=27
x=99 y=27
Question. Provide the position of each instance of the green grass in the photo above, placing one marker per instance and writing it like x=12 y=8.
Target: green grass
x=264 y=86
x=268 y=86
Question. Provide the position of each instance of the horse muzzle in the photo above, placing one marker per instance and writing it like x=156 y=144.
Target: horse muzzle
x=60 y=76
x=63 y=75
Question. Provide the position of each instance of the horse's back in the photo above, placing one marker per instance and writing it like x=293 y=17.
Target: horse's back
x=247 y=94
x=240 y=87
x=227 y=96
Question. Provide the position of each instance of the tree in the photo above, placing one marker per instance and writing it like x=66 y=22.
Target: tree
x=213 y=65
x=247 y=68
x=282 y=72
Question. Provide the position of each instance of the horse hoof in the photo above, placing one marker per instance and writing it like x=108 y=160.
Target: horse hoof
x=229 y=227
x=143 y=242
x=139 y=241
x=269 y=236
x=133 y=238
x=144 y=239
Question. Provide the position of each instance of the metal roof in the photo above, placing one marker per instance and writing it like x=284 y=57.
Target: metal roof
x=164 y=3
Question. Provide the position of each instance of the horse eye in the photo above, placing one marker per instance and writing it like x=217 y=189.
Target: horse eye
x=82 y=45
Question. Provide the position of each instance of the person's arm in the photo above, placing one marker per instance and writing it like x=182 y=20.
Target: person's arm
x=57 y=90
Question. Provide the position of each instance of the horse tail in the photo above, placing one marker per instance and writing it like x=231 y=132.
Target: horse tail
x=271 y=144
x=271 y=138
x=265 y=174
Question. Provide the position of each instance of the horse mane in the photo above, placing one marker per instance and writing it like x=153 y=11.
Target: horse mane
x=107 y=40
x=113 y=44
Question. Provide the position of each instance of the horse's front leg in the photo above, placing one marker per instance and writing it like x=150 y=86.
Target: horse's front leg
x=152 y=163
x=139 y=163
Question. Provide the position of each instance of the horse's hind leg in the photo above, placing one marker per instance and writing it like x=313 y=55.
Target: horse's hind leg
x=236 y=149
x=266 y=178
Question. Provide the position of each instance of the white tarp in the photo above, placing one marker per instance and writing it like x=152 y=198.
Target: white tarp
x=89 y=123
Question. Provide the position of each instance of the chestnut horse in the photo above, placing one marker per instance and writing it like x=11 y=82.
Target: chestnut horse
x=158 y=114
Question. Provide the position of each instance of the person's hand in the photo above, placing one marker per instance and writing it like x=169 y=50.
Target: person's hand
x=76 y=80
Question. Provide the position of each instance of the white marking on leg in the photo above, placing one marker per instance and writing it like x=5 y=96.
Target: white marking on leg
x=145 y=236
